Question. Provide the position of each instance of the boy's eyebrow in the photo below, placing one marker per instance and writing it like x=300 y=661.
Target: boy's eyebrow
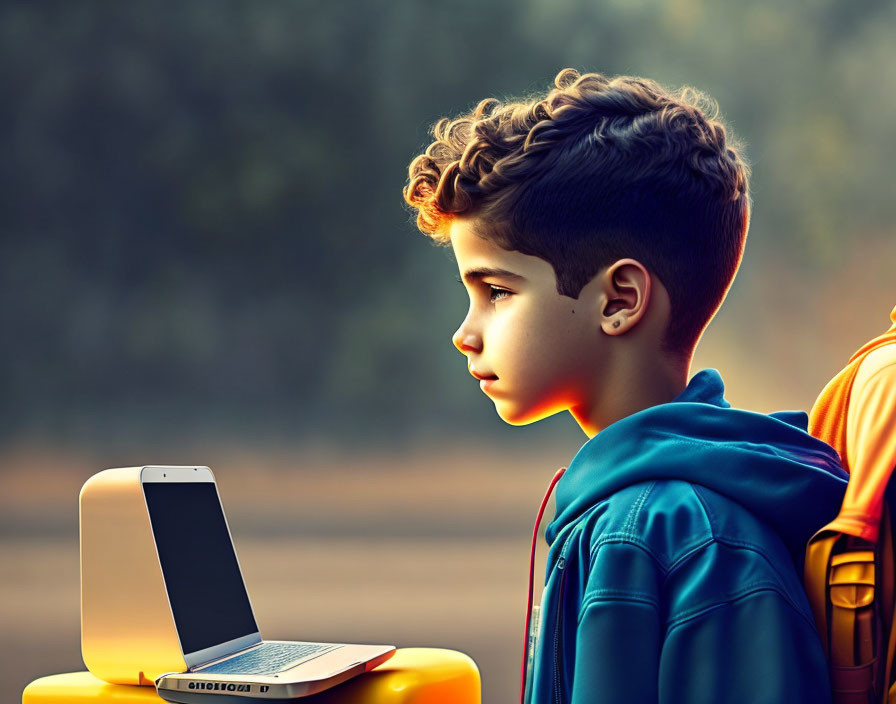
x=471 y=275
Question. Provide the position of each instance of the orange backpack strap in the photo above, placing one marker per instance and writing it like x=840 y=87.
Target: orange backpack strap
x=840 y=573
x=815 y=579
x=888 y=602
x=850 y=586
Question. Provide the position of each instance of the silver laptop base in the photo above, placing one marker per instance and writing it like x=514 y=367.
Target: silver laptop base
x=173 y=695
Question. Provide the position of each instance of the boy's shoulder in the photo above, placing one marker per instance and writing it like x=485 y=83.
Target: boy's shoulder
x=690 y=543
x=673 y=518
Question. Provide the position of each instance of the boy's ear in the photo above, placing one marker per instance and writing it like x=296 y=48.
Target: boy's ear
x=625 y=295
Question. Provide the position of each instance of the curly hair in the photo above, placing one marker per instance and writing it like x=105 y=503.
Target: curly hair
x=597 y=170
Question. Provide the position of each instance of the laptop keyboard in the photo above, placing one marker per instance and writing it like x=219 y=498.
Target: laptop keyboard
x=267 y=659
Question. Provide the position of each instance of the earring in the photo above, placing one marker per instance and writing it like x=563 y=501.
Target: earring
x=616 y=323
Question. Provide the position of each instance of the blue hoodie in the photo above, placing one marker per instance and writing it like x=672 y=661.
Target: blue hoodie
x=675 y=562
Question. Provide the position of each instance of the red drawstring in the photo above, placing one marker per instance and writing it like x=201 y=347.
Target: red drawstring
x=544 y=503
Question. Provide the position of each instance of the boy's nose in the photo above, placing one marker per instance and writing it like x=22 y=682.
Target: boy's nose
x=465 y=341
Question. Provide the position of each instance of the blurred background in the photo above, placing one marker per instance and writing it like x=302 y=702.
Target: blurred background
x=205 y=258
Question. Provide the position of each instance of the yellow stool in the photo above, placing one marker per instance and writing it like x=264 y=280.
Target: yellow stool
x=411 y=676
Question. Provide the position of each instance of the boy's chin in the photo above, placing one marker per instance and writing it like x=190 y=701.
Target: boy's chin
x=514 y=415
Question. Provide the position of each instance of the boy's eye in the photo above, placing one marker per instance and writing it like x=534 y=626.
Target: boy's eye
x=496 y=293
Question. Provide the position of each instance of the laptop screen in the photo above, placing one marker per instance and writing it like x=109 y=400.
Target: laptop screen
x=205 y=586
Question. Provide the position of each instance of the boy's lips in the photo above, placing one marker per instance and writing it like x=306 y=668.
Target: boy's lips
x=481 y=376
x=485 y=380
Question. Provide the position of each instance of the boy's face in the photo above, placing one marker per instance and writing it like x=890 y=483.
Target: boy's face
x=540 y=351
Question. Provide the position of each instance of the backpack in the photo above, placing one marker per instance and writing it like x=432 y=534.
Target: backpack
x=848 y=571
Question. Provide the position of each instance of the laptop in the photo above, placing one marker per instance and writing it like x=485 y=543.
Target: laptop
x=227 y=659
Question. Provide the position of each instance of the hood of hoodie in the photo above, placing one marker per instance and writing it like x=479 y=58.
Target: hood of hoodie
x=767 y=463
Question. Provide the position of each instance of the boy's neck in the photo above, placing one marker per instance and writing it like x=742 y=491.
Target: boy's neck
x=632 y=388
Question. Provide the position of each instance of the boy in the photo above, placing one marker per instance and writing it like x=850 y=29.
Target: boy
x=597 y=230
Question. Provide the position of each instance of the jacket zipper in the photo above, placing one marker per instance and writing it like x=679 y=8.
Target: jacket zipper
x=558 y=626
